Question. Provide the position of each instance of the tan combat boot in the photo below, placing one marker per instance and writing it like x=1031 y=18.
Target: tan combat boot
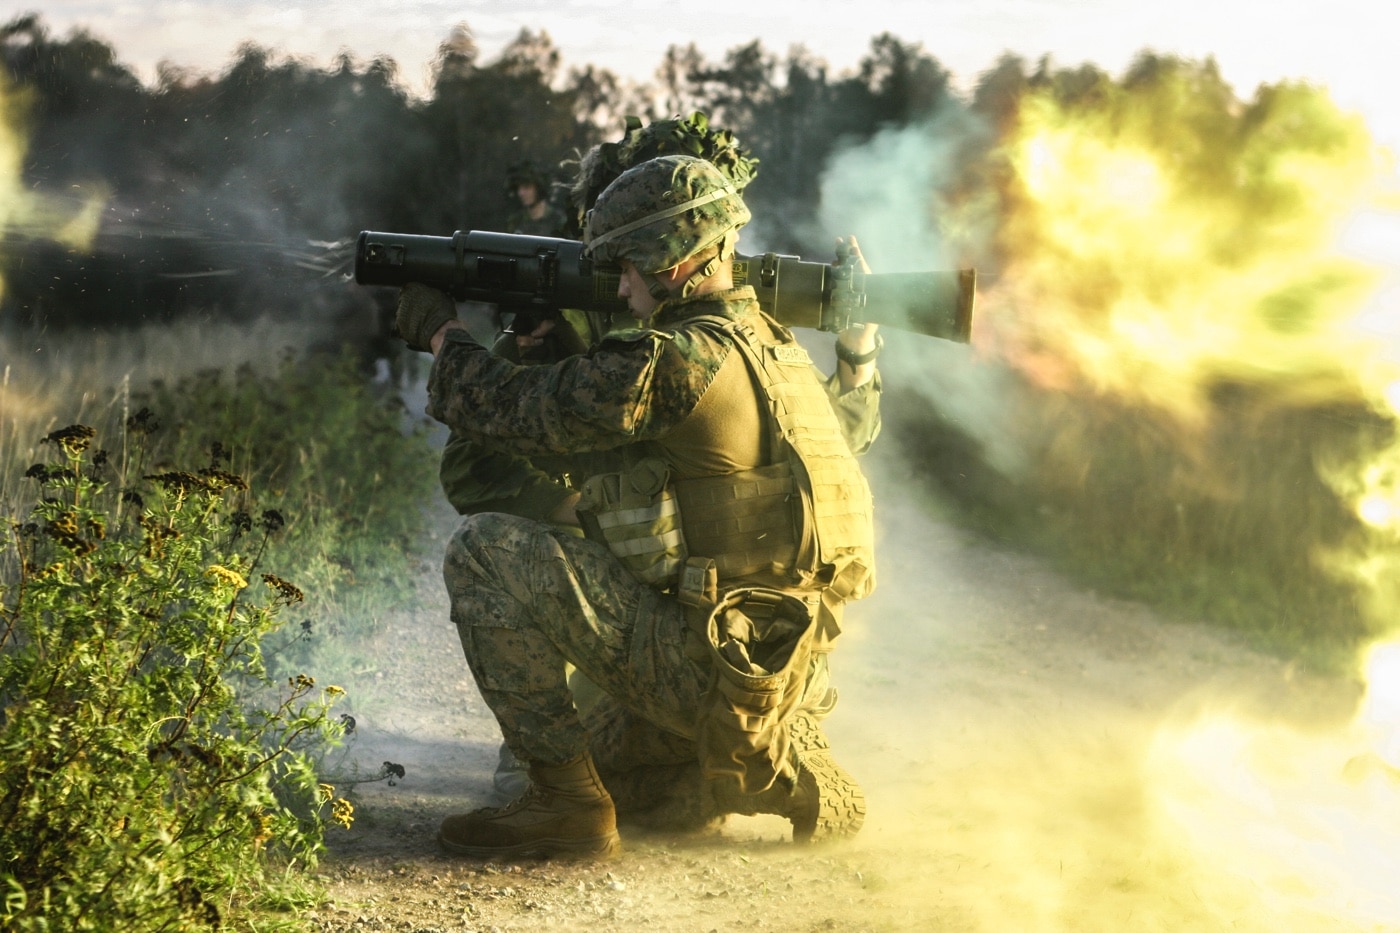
x=824 y=804
x=565 y=811
x=827 y=802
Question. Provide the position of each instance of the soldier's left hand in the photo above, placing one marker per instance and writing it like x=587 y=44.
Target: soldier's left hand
x=421 y=313
x=860 y=338
x=848 y=252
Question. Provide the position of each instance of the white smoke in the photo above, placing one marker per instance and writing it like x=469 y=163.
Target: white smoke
x=889 y=193
x=895 y=193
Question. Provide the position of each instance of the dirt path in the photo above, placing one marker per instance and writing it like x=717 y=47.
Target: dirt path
x=1036 y=757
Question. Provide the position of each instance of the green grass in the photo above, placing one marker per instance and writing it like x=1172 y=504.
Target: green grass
x=1234 y=526
x=182 y=558
x=335 y=461
x=152 y=767
x=333 y=452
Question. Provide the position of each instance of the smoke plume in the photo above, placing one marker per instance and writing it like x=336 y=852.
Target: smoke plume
x=1182 y=387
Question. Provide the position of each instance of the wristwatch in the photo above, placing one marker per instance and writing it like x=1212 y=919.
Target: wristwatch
x=853 y=359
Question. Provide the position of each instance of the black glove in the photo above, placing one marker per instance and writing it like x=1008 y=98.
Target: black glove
x=421 y=313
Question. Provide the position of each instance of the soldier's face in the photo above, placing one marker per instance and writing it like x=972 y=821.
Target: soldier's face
x=528 y=193
x=631 y=287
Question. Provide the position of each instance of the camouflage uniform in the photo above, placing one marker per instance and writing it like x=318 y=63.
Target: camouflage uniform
x=480 y=480
x=527 y=597
x=552 y=223
x=714 y=414
x=477 y=479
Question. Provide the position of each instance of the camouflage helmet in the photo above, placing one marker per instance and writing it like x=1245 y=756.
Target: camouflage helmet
x=664 y=211
x=692 y=135
x=526 y=172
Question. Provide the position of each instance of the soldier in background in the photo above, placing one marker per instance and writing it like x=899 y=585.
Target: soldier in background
x=537 y=215
x=722 y=545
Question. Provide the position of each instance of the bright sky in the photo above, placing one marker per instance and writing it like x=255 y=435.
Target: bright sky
x=1347 y=45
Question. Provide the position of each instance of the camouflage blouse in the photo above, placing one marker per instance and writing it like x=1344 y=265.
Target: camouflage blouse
x=518 y=431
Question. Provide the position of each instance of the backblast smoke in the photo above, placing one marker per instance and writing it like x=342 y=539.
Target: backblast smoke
x=1185 y=382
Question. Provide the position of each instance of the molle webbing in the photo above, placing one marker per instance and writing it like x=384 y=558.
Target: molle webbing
x=636 y=515
x=662 y=530
x=838 y=496
x=831 y=509
x=840 y=500
x=744 y=522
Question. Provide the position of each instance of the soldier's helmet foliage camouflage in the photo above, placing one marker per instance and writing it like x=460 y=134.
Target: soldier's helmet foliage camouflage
x=692 y=135
x=663 y=212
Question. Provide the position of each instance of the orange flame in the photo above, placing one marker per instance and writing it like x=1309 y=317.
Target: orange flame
x=1150 y=273
x=1154 y=255
x=72 y=219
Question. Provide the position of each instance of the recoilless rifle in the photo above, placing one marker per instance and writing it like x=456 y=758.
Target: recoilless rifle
x=535 y=277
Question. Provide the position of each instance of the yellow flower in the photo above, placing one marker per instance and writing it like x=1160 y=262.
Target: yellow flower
x=224 y=575
x=342 y=812
x=262 y=827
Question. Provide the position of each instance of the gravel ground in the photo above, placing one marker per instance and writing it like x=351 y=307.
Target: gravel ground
x=1035 y=756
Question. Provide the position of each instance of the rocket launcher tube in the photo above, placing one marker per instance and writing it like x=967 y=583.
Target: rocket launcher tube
x=537 y=276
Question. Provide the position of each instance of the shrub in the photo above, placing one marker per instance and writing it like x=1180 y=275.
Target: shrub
x=330 y=452
x=151 y=772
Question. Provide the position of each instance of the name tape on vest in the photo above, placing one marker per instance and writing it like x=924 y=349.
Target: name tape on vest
x=787 y=353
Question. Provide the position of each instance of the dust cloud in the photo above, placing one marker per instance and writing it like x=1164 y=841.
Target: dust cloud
x=1039 y=756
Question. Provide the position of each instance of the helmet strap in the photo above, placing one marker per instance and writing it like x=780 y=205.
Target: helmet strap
x=594 y=242
x=710 y=267
x=654 y=286
x=698 y=276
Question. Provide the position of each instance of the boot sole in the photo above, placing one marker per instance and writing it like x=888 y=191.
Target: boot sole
x=599 y=847
x=839 y=808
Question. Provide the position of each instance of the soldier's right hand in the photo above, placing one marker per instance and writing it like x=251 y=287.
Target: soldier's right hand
x=421 y=313
x=555 y=337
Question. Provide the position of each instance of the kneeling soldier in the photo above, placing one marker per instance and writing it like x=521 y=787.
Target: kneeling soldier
x=727 y=524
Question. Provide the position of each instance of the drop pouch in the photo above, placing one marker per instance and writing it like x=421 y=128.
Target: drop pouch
x=760 y=645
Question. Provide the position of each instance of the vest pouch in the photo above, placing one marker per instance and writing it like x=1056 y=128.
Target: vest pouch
x=634 y=513
x=760 y=643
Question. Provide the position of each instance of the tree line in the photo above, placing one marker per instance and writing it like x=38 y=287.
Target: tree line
x=221 y=190
x=225 y=194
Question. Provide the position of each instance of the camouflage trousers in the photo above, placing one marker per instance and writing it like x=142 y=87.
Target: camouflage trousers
x=526 y=598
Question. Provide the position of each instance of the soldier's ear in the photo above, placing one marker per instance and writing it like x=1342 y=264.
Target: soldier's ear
x=673 y=276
